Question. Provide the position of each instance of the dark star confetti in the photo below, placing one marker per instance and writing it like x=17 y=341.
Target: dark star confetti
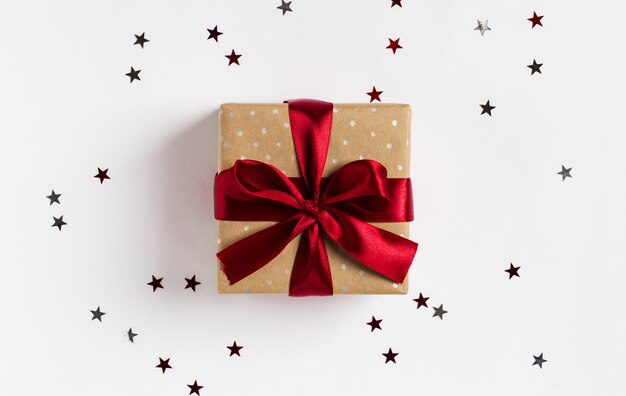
x=535 y=67
x=394 y=45
x=54 y=198
x=536 y=20
x=565 y=172
x=487 y=107
x=141 y=40
x=285 y=6
x=233 y=58
x=375 y=323
x=58 y=222
x=439 y=311
x=195 y=388
x=97 y=314
x=421 y=301
x=214 y=34
x=539 y=360
x=482 y=26
x=102 y=174
x=192 y=283
x=155 y=283
x=131 y=335
x=512 y=271
x=390 y=356
x=164 y=364
x=396 y=3
x=133 y=74
x=374 y=95
x=234 y=349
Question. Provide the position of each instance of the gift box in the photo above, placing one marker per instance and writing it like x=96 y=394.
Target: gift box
x=256 y=138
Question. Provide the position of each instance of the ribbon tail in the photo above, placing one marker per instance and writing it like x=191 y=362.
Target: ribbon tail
x=387 y=253
x=248 y=255
x=310 y=275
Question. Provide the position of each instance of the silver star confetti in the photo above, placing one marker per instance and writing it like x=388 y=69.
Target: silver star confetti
x=482 y=26
x=439 y=311
x=565 y=172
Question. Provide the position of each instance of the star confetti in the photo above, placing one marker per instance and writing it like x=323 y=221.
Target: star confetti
x=396 y=3
x=536 y=20
x=233 y=58
x=164 y=364
x=133 y=74
x=97 y=314
x=141 y=40
x=394 y=45
x=439 y=311
x=234 y=349
x=421 y=301
x=374 y=95
x=285 y=6
x=565 y=172
x=482 y=26
x=487 y=107
x=155 y=283
x=195 y=388
x=192 y=283
x=58 y=222
x=131 y=335
x=535 y=67
x=214 y=34
x=102 y=174
x=539 y=360
x=512 y=271
x=390 y=356
x=375 y=323
x=54 y=198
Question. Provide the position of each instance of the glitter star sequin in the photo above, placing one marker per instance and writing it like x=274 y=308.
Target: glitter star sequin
x=565 y=172
x=439 y=311
x=97 y=314
x=375 y=324
x=214 y=34
x=192 y=283
x=141 y=39
x=374 y=95
x=394 y=45
x=155 y=283
x=390 y=356
x=164 y=364
x=512 y=271
x=58 y=222
x=539 y=360
x=233 y=58
x=234 y=349
x=482 y=26
x=487 y=107
x=102 y=175
x=133 y=74
x=54 y=198
x=536 y=20
x=421 y=301
x=535 y=67
x=285 y=7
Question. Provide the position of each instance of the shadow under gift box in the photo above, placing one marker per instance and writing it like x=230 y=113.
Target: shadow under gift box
x=261 y=131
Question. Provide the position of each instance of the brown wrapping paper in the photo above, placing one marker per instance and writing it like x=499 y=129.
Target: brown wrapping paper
x=360 y=131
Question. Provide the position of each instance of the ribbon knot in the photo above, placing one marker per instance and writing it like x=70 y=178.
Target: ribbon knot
x=358 y=193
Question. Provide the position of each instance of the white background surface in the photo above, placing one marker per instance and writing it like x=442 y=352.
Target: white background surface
x=486 y=194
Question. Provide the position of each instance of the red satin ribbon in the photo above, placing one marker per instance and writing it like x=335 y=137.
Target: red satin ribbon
x=338 y=206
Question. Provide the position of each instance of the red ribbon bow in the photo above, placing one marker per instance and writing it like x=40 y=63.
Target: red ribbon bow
x=339 y=206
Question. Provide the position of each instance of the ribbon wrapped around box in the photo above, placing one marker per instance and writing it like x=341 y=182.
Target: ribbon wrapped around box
x=295 y=196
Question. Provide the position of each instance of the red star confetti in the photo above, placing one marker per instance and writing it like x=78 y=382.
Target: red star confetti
x=375 y=323
x=374 y=95
x=512 y=271
x=234 y=349
x=214 y=34
x=195 y=388
x=390 y=356
x=102 y=174
x=396 y=3
x=164 y=364
x=421 y=301
x=192 y=283
x=536 y=20
x=155 y=283
x=394 y=45
x=233 y=58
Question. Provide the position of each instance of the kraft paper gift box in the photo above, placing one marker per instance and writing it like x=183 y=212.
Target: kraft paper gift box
x=359 y=131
